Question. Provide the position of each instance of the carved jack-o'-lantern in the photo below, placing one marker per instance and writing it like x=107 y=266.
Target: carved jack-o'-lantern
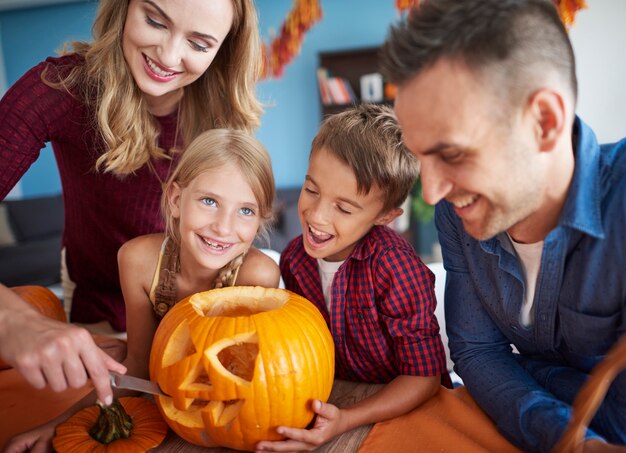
x=237 y=362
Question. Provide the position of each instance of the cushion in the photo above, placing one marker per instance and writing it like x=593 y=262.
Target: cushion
x=6 y=233
x=36 y=218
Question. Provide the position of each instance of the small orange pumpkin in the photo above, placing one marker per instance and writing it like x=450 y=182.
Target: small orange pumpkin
x=239 y=361
x=43 y=300
x=148 y=429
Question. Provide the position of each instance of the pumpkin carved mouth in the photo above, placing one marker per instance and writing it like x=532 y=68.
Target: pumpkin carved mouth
x=235 y=360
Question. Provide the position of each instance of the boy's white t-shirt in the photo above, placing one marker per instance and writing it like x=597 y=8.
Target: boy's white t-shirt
x=530 y=257
x=327 y=269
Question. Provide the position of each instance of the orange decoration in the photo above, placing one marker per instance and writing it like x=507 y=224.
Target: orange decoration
x=567 y=8
x=287 y=44
x=402 y=5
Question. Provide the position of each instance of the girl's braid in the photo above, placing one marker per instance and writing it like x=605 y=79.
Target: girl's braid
x=228 y=274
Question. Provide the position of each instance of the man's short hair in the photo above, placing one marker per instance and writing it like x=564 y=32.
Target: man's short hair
x=513 y=44
x=368 y=139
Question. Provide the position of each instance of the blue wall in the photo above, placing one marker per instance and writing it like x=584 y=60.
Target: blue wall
x=289 y=127
x=291 y=120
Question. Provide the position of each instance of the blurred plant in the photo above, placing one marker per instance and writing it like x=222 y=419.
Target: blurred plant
x=422 y=211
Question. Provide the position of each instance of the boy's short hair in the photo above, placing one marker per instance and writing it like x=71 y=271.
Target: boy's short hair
x=368 y=139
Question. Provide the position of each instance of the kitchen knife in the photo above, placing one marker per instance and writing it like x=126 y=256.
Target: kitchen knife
x=124 y=381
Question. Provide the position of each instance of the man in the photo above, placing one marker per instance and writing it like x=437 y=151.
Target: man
x=531 y=211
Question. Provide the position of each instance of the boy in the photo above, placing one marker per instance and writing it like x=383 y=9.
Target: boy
x=375 y=293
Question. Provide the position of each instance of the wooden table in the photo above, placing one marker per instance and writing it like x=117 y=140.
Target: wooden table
x=343 y=394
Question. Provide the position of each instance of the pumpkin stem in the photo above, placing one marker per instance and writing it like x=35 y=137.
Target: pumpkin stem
x=113 y=423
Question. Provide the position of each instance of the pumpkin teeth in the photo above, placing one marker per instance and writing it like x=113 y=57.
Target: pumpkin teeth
x=221 y=413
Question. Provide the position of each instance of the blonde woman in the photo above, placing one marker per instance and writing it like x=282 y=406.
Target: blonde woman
x=117 y=111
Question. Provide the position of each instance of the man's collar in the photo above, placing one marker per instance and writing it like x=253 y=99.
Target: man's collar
x=582 y=210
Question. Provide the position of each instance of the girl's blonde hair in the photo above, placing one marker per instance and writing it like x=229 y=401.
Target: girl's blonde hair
x=224 y=96
x=214 y=149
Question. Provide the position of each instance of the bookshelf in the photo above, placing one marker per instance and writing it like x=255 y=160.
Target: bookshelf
x=348 y=65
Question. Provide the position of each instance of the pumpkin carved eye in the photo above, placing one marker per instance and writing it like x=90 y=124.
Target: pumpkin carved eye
x=237 y=362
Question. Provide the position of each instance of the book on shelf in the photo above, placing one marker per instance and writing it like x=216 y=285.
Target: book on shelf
x=334 y=90
x=340 y=91
x=322 y=81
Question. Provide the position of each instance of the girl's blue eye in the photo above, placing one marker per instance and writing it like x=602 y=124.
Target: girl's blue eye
x=208 y=201
x=247 y=211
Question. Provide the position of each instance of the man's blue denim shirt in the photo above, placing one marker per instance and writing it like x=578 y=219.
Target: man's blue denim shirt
x=579 y=306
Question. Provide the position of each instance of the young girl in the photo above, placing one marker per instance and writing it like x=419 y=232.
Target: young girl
x=117 y=111
x=217 y=201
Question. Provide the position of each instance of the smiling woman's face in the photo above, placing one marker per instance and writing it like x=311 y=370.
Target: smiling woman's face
x=168 y=44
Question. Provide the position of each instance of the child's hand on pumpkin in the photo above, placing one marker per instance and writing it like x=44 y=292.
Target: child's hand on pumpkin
x=38 y=440
x=328 y=424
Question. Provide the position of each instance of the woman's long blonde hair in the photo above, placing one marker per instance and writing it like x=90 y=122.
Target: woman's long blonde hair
x=224 y=96
x=214 y=149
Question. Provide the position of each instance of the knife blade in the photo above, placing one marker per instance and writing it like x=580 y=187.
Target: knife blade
x=124 y=381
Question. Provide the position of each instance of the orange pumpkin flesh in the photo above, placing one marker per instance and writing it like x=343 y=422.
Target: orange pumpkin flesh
x=149 y=430
x=43 y=300
x=238 y=362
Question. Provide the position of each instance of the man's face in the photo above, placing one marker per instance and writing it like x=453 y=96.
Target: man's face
x=483 y=162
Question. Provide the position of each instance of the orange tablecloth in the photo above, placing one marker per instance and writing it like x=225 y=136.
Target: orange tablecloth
x=22 y=407
x=449 y=422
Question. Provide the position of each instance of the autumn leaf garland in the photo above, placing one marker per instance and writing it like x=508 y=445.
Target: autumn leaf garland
x=283 y=48
x=567 y=8
x=305 y=13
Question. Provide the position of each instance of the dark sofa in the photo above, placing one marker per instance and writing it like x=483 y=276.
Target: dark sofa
x=30 y=253
x=287 y=224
